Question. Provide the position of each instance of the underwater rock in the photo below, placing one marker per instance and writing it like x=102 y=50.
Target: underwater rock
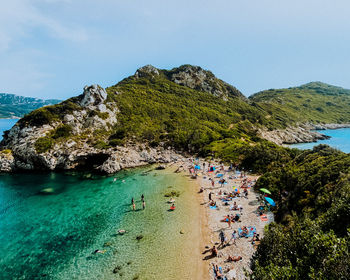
x=47 y=191
x=139 y=237
x=160 y=167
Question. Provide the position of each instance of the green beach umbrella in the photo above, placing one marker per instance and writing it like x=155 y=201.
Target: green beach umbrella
x=265 y=191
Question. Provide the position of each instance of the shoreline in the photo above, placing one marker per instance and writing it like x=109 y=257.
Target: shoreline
x=300 y=134
x=211 y=225
x=200 y=270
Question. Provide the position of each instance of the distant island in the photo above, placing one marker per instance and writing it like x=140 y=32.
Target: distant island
x=14 y=107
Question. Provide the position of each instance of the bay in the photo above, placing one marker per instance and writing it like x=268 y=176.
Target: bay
x=340 y=139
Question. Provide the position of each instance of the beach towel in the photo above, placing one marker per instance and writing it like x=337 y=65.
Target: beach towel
x=212 y=207
x=251 y=231
x=263 y=218
x=220 y=269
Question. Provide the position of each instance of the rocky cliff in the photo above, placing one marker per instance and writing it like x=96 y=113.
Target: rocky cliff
x=293 y=134
x=46 y=147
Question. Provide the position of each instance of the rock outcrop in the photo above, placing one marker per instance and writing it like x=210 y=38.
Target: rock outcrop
x=203 y=80
x=293 y=135
x=88 y=126
x=193 y=77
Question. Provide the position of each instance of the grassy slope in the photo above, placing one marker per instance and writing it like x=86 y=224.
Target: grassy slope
x=158 y=110
x=314 y=102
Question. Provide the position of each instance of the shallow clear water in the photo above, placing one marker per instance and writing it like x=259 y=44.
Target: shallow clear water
x=53 y=236
x=340 y=139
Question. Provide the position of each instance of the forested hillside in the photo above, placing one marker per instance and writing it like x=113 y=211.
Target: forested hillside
x=311 y=238
x=310 y=103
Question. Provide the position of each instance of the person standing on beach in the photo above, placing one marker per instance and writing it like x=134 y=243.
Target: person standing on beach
x=142 y=198
x=229 y=222
x=143 y=205
x=132 y=201
x=133 y=206
x=210 y=195
x=222 y=237
x=212 y=183
x=234 y=236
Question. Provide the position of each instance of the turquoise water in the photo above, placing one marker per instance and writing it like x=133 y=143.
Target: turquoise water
x=340 y=139
x=6 y=124
x=54 y=236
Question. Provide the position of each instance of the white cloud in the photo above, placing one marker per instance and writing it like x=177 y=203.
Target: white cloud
x=18 y=18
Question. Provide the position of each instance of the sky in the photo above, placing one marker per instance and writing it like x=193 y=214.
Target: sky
x=53 y=48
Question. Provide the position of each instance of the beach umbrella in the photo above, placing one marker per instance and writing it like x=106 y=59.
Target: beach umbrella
x=197 y=167
x=270 y=200
x=265 y=191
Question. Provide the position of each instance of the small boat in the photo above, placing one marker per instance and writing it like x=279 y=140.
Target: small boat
x=171 y=200
x=172 y=208
x=121 y=231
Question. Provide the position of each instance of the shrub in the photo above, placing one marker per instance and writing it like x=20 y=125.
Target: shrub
x=101 y=145
x=43 y=144
x=62 y=131
x=38 y=117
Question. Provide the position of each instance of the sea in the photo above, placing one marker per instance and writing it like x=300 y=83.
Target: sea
x=55 y=235
x=340 y=139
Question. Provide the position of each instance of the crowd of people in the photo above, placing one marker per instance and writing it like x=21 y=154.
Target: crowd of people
x=228 y=199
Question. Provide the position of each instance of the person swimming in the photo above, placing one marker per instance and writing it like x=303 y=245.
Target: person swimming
x=99 y=251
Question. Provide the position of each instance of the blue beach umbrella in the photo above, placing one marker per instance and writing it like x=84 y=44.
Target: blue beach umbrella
x=270 y=200
x=197 y=167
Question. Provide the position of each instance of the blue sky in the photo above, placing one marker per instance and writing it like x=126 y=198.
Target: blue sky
x=52 y=48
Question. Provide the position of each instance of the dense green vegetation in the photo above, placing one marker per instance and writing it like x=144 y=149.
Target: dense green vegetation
x=50 y=114
x=311 y=236
x=13 y=106
x=158 y=110
x=314 y=102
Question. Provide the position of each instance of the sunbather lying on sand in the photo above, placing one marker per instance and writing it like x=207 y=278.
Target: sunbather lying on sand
x=234 y=258
x=212 y=203
x=218 y=274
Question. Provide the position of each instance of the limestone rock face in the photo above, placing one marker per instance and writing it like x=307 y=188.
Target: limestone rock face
x=93 y=96
x=6 y=161
x=89 y=124
x=199 y=79
x=293 y=135
x=147 y=70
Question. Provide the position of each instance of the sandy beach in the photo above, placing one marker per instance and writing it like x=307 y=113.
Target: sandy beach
x=211 y=220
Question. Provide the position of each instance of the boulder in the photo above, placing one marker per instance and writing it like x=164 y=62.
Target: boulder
x=93 y=95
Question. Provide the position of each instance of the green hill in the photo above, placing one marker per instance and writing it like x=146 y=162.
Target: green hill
x=13 y=106
x=187 y=109
x=310 y=103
